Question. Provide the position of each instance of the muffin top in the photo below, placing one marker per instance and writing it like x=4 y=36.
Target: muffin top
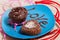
x=17 y=14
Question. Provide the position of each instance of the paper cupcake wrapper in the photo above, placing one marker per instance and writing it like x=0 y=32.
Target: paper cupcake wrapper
x=14 y=3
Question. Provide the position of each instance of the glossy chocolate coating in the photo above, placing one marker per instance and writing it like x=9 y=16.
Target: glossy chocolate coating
x=18 y=14
x=34 y=30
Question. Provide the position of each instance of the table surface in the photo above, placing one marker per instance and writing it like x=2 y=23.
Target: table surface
x=4 y=5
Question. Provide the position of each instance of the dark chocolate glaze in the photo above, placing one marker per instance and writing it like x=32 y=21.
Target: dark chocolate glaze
x=18 y=14
x=31 y=31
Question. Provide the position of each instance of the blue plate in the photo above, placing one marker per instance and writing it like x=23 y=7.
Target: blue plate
x=41 y=12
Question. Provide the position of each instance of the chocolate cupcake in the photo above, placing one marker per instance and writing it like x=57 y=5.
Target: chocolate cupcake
x=18 y=14
x=31 y=27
